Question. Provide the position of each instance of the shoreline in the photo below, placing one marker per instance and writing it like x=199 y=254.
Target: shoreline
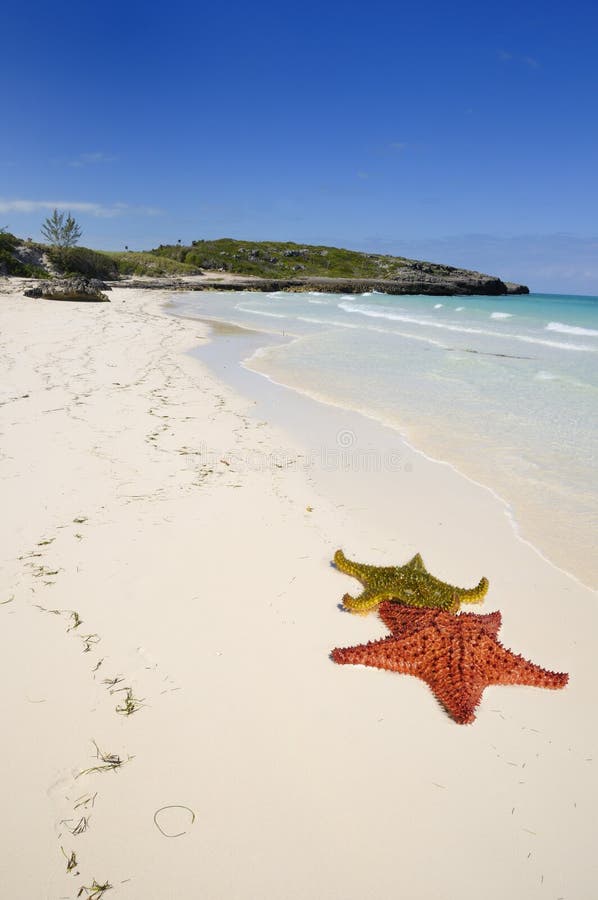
x=223 y=326
x=183 y=526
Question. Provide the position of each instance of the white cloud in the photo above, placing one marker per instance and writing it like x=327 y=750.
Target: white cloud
x=507 y=57
x=531 y=61
x=99 y=210
x=90 y=159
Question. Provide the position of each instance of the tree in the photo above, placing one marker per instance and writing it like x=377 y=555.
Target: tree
x=61 y=230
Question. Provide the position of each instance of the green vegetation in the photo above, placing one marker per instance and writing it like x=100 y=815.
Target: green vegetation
x=61 y=230
x=10 y=264
x=142 y=263
x=82 y=261
x=275 y=259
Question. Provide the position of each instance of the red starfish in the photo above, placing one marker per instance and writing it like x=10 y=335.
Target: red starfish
x=457 y=656
x=405 y=620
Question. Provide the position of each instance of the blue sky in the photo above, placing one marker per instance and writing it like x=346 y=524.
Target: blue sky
x=460 y=132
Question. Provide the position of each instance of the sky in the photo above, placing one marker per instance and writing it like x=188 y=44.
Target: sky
x=464 y=133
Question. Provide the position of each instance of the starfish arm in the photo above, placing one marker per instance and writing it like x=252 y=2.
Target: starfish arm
x=403 y=620
x=460 y=697
x=348 y=566
x=358 y=570
x=473 y=595
x=366 y=601
x=391 y=653
x=417 y=564
x=510 y=668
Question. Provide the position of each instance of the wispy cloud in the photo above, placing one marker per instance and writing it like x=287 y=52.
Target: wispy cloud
x=530 y=61
x=99 y=210
x=91 y=159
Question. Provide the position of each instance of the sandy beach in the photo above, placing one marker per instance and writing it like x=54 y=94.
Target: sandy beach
x=171 y=713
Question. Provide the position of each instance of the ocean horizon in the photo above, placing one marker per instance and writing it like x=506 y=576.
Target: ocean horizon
x=504 y=389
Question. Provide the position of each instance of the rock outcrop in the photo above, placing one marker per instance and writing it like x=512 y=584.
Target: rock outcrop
x=460 y=284
x=77 y=288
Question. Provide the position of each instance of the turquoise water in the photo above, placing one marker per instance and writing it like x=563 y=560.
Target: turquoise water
x=505 y=389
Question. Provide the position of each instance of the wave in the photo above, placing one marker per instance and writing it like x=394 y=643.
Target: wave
x=318 y=302
x=545 y=376
x=374 y=328
x=459 y=308
x=385 y=313
x=500 y=315
x=571 y=329
x=314 y=321
x=438 y=305
x=260 y=312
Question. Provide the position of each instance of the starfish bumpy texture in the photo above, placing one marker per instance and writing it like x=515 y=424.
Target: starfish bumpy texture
x=456 y=655
x=411 y=584
x=403 y=620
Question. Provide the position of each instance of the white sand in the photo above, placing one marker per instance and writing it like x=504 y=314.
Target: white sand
x=210 y=590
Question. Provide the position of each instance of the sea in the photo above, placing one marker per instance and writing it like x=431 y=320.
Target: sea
x=505 y=389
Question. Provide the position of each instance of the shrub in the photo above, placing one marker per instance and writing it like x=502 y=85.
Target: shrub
x=82 y=261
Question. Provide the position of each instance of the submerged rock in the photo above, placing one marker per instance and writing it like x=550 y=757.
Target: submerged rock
x=77 y=288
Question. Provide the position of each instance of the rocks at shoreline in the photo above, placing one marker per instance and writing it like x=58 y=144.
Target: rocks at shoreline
x=513 y=288
x=454 y=283
x=77 y=288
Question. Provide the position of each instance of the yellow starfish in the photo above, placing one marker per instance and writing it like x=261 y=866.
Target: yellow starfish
x=411 y=584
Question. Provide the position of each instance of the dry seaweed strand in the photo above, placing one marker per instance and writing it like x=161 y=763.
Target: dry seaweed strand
x=71 y=860
x=130 y=704
x=85 y=800
x=110 y=762
x=89 y=640
x=96 y=891
x=76 y=620
x=172 y=806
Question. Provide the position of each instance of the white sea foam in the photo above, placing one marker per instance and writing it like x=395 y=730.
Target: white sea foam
x=459 y=309
x=318 y=302
x=500 y=315
x=438 y=305
x=314 y=321
x=571 y=329
x=260 y=312
x=384 y=313
x=559 y=345
x=373 y=328
x=544 y=376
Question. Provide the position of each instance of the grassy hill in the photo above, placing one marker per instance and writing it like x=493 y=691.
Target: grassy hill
x=280 y=264
x=148 y=263
x=276 y=259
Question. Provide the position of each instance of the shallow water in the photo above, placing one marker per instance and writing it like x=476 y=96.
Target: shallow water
x=505 y=389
